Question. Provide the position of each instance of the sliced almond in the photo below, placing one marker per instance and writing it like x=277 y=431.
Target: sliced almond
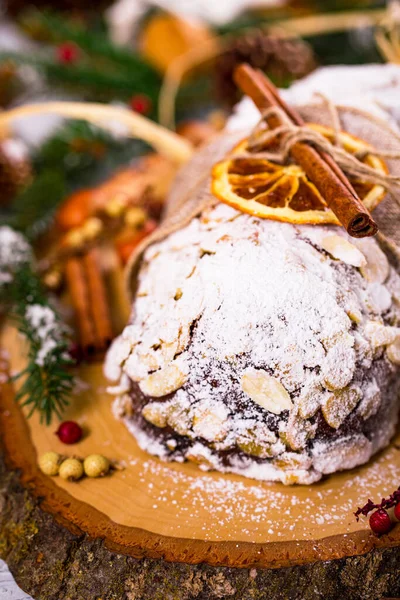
x=116 y=356
x=298 y=431
x=179 y=417
x=309 y=401
x=381 y=335
x=163 y=382
x=343 y=250
x=155 y=413
x=183 y=338
x=211 y=422
x=259 y=441
x=258 y=449
x=266 y=391
x=393 y=352
x=149 y=360
x=364 y=350
x=353 y=307
x=354 y=314
x=341 y=337
x=371 y=401
x=132 y=334
x=293 y=477
x=168 y=351
x=338 y=367
x=134 y=368
x=200 y=455
x=293 y=460
x=377 y=267
x=122 y=407
x=338 y=405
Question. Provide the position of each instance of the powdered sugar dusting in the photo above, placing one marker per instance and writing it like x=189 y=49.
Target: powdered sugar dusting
x=231 y=291
x=14 y=251
x=47 y=329
x=235 y=509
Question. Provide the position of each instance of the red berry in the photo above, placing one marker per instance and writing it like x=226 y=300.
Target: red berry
x=68 y=53
x=140 y=103
x=69 y=432
x=397 y=511
x=380 y=522
x=75 y=352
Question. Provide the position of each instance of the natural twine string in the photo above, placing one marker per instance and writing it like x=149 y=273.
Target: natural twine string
x=188 y=201
x=289 y=134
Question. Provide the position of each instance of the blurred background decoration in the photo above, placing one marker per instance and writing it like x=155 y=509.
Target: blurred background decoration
x=170 y=60
x=123 y=52
x=388 y=34
x=84 y=194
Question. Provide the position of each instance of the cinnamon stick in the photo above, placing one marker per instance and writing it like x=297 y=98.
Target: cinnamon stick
x=345 y=204
x=298 y=120
x=97 y=293
x=76 y=281
x=120 y=307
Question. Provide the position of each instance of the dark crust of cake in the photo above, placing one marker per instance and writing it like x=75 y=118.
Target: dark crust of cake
x=353 y=425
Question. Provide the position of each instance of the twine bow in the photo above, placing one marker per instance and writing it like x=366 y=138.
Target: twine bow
x=289 y=134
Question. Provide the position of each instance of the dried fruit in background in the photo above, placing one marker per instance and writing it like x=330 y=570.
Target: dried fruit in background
x=165 y=37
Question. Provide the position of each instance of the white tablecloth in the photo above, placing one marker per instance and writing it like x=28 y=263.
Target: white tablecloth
x=8 y=588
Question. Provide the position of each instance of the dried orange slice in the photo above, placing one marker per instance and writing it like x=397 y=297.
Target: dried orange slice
x=270 y=191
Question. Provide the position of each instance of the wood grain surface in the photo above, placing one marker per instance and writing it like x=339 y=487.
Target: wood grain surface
x=176 y=511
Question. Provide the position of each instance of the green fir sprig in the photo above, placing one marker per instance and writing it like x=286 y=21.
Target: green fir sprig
x=95 y=43
x=103 y=70
x=32 y=210
x=47 y=380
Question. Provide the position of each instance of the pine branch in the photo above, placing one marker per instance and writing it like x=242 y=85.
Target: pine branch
x=102 y=68
x=47 y=383
x=89 y=76
x=34 y=207
x=94 y=43
x=79 y=148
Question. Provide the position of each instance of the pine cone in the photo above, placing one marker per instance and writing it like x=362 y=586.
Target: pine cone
x=283 y=59
x=15 y=169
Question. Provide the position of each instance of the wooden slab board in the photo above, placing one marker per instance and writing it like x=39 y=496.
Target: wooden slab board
x=175 y=511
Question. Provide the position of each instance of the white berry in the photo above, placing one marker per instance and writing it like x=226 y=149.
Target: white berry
x=71 y=469
x=96 y=465
x=49 y=463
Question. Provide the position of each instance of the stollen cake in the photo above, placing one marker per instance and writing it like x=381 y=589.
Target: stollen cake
x=262 y=348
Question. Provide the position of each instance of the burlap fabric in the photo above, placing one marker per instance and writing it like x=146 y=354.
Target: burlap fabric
x=191 y=192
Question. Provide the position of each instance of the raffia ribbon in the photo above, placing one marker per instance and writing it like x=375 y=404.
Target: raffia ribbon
x=290 y=134
x=191 y=192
